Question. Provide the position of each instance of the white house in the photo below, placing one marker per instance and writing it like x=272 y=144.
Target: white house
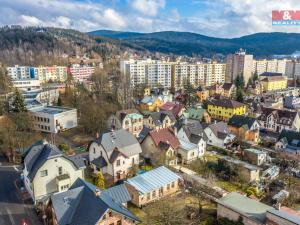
x=53 y=119
x=115 y=154
x=192 y=133
x=187 y=152
x=47 y=170
x=219 y=135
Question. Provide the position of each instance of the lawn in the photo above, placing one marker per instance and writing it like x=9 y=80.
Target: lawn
x=179 y=204
x=228 y=186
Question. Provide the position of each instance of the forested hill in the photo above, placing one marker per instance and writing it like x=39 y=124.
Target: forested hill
x=259 y=44
x=48 y=46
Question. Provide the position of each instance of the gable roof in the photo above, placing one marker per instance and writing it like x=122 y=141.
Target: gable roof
x=194 y=131
x=283 y=116
x=153 y=179
x=40 y=152
x=122 y=113
x=270 y=74
x=166 y=136
x=158 y=117
x=240 y=120
x=119 y=193
x=246 y=206
x=274 y=78
x=80 y=205
x=226 y=103
x=172 y=107
x=195 y=113
x=228 y=86
x=121 y=139
x=219 y=129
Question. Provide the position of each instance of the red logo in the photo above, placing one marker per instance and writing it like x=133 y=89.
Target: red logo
x=285 y=15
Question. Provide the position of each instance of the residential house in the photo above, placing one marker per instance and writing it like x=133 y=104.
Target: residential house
x=229 y=90
x=273 y=81
x=277 y=120
x=291 y=102
x=161 y=147
x=248 y=172
x=224 y=109
x=115 y=154
x=150 y=103
x=83 y=203
x=187 y=152
x=152 y=185
x=197 y=113
x=160 y=120
x=130 y=120
x=173 y=107
x=288 y=142
x=191 y=132
x=254 y=156
x=202 y=94
x=215 y=89
x=236 y=207
x=219 y=135
x=244 y=127
x=47 y=170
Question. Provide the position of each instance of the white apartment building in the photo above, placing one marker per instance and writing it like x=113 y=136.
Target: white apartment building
x=173 y=74
x=273 y=66
x=26 y=84
x=19 y=72
x=297 y=69
x=52 y=119
x=239 y=64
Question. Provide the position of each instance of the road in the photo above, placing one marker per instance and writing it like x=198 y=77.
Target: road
x=12 y=209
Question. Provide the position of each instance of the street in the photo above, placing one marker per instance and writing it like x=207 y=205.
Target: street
x=12 y=209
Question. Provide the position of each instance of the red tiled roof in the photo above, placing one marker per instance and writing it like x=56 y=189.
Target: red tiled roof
x=164 y=135
x=173 y=107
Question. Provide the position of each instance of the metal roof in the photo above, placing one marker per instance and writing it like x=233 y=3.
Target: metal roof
x=153 y=179
x=285 y=215
x=119 y=193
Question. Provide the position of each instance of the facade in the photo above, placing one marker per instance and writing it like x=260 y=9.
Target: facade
x=191 y=133
x=229 y=90
x=81 y=73
x=291 y=102
x=150 y=103
x=248 y=172
x=174 y=75
x=130 y=120
x=160 y=120
x=254 y=156
x=160 y=146
x=20 y=72
x=219 y=135
x=187 y=152
x=279 y=119
x=53 y=119
x=239 y=64
x=51 y=73
x=274 y=83
x=83 y=203
x=198 y=114
x=47 y=170
x=273 y=65
x=26 y=84
x=115 y=154
x=202 y=94
x=224 y=109
x=244 y=127
x=152 y=185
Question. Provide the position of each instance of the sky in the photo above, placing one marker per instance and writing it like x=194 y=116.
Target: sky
x=217 y=18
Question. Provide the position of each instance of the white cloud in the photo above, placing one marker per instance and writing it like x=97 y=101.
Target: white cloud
x=30 y=21
x=148 y=7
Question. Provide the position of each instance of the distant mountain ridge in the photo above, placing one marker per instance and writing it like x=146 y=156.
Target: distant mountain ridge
x=187 y=43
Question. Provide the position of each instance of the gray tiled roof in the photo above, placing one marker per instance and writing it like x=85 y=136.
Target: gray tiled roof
x=80 y=205
x=121 y=139
x=220 y=129
x=158 y=117
x=40 y=152
x=99 y=162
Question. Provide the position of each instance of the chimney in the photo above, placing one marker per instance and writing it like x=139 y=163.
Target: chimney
x=97 y=192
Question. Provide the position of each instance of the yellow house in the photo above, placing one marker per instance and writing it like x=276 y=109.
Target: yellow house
x=150 y=104
x=224 y=109
x=147 y=92
x=274 y=83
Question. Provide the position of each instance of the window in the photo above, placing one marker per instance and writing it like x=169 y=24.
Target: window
x=173 y=184
x=110 y=214
x=118 y=162
x=148 y=196
x=60 y=170
x=44 y=173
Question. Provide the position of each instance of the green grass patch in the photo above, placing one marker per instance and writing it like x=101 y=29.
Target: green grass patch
x=228 y=186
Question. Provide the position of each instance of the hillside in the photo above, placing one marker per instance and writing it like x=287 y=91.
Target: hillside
x=260 y=44
x=48 y=46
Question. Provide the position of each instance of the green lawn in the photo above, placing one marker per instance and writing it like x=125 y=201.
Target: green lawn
x=226 y=185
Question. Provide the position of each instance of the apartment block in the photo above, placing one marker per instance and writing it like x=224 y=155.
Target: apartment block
x=81 y=73
x=282 y=66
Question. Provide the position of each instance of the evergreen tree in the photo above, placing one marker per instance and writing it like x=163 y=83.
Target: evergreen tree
x=59 y=101
x=240 y=95
x=99 y=181
x=19 y=102
x=190 y=91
